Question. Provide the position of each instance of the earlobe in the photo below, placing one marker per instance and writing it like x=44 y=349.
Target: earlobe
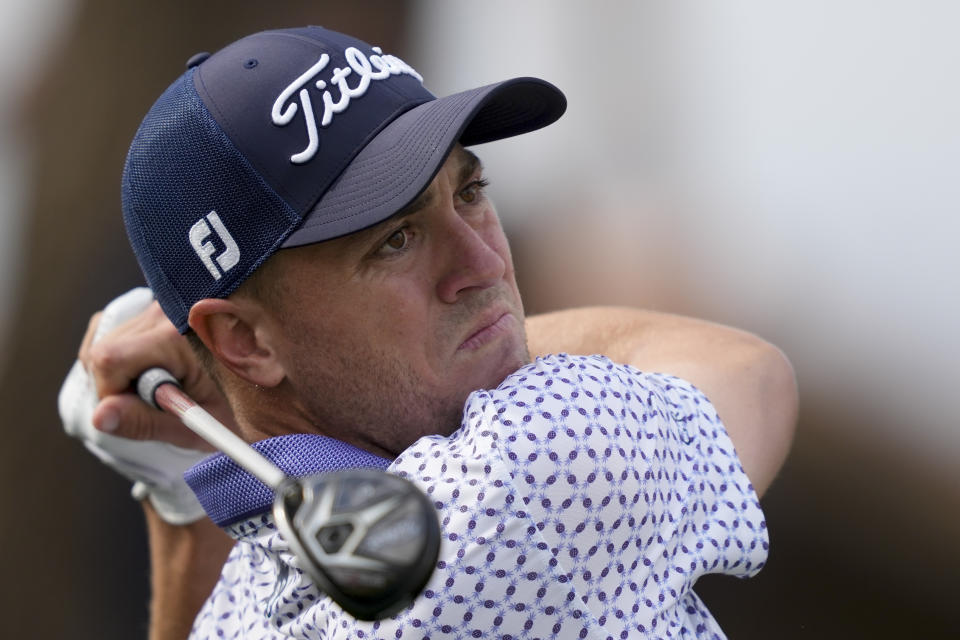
x=234 y=333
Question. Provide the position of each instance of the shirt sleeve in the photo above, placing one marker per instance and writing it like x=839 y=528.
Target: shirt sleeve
x=630 y=477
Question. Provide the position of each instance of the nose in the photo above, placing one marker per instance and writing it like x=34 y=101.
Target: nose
x=472 y=258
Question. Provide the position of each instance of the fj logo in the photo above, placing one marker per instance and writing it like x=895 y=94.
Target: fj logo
x=205 y=249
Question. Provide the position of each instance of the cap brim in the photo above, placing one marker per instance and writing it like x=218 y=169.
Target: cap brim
x=401 y=161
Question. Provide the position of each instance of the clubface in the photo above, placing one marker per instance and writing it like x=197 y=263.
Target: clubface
x=369 y=539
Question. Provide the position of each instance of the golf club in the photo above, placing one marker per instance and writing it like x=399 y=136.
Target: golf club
x=368 y=538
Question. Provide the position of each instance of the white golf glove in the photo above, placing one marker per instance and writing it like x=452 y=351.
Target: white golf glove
x=156 y=468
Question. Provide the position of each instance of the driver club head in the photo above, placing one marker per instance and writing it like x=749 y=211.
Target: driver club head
x=368 y=538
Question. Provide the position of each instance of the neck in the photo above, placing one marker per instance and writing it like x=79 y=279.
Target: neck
x=261 y=413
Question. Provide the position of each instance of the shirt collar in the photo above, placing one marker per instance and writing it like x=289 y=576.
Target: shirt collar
x=229 y=494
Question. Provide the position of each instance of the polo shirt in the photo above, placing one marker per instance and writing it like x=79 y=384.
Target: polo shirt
x=579 y=499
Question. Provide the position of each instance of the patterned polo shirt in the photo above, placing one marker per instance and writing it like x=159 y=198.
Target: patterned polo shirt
x=579 y=499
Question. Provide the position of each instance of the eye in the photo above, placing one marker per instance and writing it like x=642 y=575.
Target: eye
x=474 y=191
x=397 y=241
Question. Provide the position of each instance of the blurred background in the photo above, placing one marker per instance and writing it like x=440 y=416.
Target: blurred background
x=790 y=168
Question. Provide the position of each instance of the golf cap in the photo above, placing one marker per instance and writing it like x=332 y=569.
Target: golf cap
x=291 y=137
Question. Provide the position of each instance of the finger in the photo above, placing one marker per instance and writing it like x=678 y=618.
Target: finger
x=145 y=341
x=83 y=355
x=126 y=416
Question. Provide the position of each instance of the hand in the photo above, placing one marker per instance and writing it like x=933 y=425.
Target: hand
x=130 y=336
x=98 y=406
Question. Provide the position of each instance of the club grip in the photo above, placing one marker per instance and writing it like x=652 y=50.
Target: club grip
x=150 y=380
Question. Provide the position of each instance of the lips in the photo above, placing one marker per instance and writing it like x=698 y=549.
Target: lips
x=488 y=330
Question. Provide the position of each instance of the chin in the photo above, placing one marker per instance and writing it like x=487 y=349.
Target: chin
x=490 y=366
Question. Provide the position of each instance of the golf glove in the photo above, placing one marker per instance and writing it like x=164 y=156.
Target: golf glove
x=156 y=468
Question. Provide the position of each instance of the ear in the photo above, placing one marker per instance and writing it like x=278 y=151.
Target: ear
x=237 y=334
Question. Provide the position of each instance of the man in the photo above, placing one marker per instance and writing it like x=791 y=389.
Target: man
x=311 y=218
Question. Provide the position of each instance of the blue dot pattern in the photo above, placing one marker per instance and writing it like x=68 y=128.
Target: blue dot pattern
x=580 y=499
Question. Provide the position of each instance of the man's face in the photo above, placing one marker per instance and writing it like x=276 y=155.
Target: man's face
x=384 y=333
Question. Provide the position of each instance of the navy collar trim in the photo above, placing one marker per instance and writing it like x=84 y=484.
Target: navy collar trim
x=230 y=494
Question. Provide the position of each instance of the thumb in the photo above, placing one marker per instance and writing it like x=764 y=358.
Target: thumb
x=125 y=415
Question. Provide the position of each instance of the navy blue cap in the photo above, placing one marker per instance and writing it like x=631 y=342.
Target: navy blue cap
x=291 y=137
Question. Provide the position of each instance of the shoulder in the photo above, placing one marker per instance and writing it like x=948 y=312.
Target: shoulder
x=587 y=385
x=562 y=407
x=749 y=381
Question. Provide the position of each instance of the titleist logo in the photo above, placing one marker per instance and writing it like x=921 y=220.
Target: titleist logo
x=366 y=69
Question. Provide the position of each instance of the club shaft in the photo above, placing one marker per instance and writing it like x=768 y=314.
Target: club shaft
x=171 y=398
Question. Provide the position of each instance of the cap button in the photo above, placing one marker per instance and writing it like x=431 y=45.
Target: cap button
x=197 y=58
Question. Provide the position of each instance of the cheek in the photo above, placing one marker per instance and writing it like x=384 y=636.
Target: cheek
x=395 y=315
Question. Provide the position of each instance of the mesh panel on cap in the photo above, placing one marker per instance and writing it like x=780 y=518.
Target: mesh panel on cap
x=181 y=166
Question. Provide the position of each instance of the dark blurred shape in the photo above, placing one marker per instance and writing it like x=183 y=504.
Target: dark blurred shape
x=863 y=542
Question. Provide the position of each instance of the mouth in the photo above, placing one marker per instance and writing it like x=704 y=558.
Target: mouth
x=490 y=329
